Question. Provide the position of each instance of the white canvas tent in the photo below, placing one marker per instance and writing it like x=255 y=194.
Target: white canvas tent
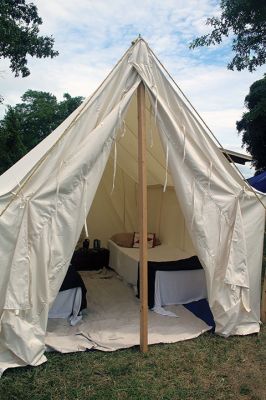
x=47 y=195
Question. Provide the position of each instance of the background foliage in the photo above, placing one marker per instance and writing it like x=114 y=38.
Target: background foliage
x=30 y=121
x=246 y=21
x=252 y=126
x=19 y=35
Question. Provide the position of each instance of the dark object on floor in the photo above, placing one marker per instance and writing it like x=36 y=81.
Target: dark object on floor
x=90 y=259
x=73 y=280
x=202 y=310
x=86 y=244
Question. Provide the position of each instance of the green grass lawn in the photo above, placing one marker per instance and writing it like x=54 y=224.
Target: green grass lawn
x=208 y=367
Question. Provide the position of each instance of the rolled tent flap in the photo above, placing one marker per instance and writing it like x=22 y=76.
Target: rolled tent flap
x=45 y=197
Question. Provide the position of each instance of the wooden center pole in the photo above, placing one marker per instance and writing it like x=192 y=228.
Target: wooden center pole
x=143 y=278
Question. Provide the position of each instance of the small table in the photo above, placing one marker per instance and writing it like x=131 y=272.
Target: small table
x=90 y=259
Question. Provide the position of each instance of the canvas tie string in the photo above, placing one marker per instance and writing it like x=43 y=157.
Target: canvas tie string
x=154 y=87
x=220 y=230
x=123 y=128
x=219 y=248
x=151 y=130
x=120 y=120
x=166 y=165
x=98 y=107
x=114 y=170
x=58 y=187
x=186 y=119
x=184 y=142
x=245 y=297
x=85 y=206
x=209 y=174
x=23 y=199
x=209 y=177
x=50 y=242
x=56 y=208
x=156 y=105
x=193 y=203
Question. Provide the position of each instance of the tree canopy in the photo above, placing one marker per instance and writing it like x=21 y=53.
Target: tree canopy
x=253 y=124
x=29 y=122
x=246 y=20
x=19 y=35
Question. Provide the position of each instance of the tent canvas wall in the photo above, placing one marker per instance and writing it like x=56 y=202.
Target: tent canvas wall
x=46 y=196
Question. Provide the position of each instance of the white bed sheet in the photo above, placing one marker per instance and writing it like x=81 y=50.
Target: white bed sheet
x=171 y=287
x=67 y=305
x=179 y=287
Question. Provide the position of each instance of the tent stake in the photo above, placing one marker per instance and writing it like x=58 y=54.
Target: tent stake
x=142 y=219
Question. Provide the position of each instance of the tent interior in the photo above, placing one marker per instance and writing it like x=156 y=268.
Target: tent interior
x=111 y=320
x=115 y=206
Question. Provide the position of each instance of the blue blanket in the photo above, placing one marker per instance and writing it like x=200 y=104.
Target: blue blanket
x=201 y=309
x=259 y=182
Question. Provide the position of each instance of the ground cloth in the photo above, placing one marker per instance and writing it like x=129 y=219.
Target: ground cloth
x=111 y=321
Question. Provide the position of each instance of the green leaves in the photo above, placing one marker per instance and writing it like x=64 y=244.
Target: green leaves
x=246 y=20
x=29 y=122
x=19 y=35
x=253 y=124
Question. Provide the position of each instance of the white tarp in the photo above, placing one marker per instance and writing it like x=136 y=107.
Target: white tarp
x=45 y=197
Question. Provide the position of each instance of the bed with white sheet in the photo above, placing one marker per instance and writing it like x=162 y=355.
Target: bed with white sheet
x=174 y=277
x=71 y=299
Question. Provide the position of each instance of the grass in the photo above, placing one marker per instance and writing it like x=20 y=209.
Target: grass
x=208 y=367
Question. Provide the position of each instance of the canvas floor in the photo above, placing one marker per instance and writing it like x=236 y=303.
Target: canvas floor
x=111 y=321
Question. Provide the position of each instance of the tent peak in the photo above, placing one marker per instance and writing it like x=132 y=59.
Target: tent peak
x=134 y=41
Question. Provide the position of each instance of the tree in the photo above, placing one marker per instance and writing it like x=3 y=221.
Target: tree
x=29 y=122
x=253 y=124
x=12 y=147
x=246 y=20
x=19 y=35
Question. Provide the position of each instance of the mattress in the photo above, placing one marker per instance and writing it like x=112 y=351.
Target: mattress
x=71 y=298
x=125 y=260
x=167 y=287
x=163 y=252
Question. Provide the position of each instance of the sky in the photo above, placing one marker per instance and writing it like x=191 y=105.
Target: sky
x=92 y=35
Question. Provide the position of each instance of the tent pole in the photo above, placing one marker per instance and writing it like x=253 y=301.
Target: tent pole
x=143 y=278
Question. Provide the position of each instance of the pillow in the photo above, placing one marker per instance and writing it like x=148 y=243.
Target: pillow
x=150 y=240
x=123 y=239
